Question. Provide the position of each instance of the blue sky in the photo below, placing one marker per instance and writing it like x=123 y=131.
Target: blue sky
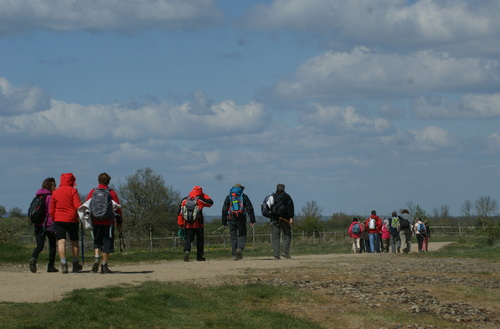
x=358 y=105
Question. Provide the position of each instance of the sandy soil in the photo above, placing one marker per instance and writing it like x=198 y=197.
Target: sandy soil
x=18 y=284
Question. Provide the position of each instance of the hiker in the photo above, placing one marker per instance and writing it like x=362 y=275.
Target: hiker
x=103 y=218
x=355 y=231
x=420 y=232
x=425 y=245
x=236 y=206
x=385 y=235
x=282 y=213
x=373 y=224
x=63 y=209
x=45 y=229
x=365 y=241
x=190 y=219
x=395 y=240
x=405 y=231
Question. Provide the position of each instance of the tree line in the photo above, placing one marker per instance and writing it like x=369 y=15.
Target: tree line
x=150 y=208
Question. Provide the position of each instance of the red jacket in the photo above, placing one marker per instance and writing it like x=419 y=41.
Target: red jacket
x=378 y=224
x=65 y=200
x=203 y=201
x=352 y=235
x=114 y=197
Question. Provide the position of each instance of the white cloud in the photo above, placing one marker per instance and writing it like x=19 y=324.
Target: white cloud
x=365 y=74
x=191 y=120
x=17 y=100
x=431 y=139
x=493 y=143
x=18 y=16
x=384 y=22
x=470 y=106
x=334 y=120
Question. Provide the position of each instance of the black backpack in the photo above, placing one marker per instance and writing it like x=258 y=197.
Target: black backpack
x=279 y=207
x=403 y=222
x=101 y=204
x=37 y=211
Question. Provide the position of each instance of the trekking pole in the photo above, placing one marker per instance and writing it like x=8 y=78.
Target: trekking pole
x=222 y=227
x=285 y=220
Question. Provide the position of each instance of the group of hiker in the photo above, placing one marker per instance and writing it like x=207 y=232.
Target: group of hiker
x=376 y=235
x=278 y=207
x=57 y=212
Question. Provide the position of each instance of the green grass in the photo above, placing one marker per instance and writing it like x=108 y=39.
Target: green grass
x=162 y=305
x=471 y=247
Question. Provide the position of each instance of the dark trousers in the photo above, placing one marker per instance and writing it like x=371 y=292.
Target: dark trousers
x=40 y=235
x=238 y=233
x=279 y=226
x=191 y=234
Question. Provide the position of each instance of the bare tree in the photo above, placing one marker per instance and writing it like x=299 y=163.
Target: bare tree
x=485 y=206
x=444 y=213
x=466 y=211
x=148 y=203
x=310 y=217
x=411 y=207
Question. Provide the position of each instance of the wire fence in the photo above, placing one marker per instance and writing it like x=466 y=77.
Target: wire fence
x=221 y=237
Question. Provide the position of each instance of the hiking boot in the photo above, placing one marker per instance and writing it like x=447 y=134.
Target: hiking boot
x=95 y=266
x=287 y=256
x=51 y=268
x=200 y=259
x=239 y=253
x=33 y=265
x=186 y=256
x=105 y=269
x=76 y=267
x=277 y=257
x=64 y=268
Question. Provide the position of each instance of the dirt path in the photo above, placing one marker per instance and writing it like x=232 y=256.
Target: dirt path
x=20 y=285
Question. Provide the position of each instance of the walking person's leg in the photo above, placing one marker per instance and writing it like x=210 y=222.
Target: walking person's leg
x=276 y=238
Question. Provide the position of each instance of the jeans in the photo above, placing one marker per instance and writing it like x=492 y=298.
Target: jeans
x=40 y=235
x=374 y=242
x=395 y=242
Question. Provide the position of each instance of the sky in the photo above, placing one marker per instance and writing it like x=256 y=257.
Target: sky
x=356 y=105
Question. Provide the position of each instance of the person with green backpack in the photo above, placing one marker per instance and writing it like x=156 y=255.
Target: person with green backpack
x=395 y=240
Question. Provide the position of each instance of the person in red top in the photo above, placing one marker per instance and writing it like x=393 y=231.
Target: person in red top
x=63 y=209
x=103 y=229
x=190 y=219
x=355 y=236
x=373 y=225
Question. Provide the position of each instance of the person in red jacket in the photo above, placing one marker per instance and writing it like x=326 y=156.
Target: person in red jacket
x=355 y=234
x=63 y=209
x=190 y=219
x=373 y=225
x=103 y=229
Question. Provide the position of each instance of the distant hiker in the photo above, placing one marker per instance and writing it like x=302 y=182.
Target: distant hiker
x=190 y=218
x=282 y=213
x=373 y=225
x=425 y=245
x=355 y=231
x=394 y=230
x=63 y=209
x=45 y=228
x=420 y=232
x=236 y=206
x=385 y=235
x=104 y=216
x=405 y=231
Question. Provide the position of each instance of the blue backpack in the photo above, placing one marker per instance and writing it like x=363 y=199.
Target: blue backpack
x=356 y=229
x=236 y=206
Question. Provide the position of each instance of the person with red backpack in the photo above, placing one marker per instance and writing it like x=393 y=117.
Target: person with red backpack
x=373 y=226
x=190 y=219
x=355 y=231
x=234 y=210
